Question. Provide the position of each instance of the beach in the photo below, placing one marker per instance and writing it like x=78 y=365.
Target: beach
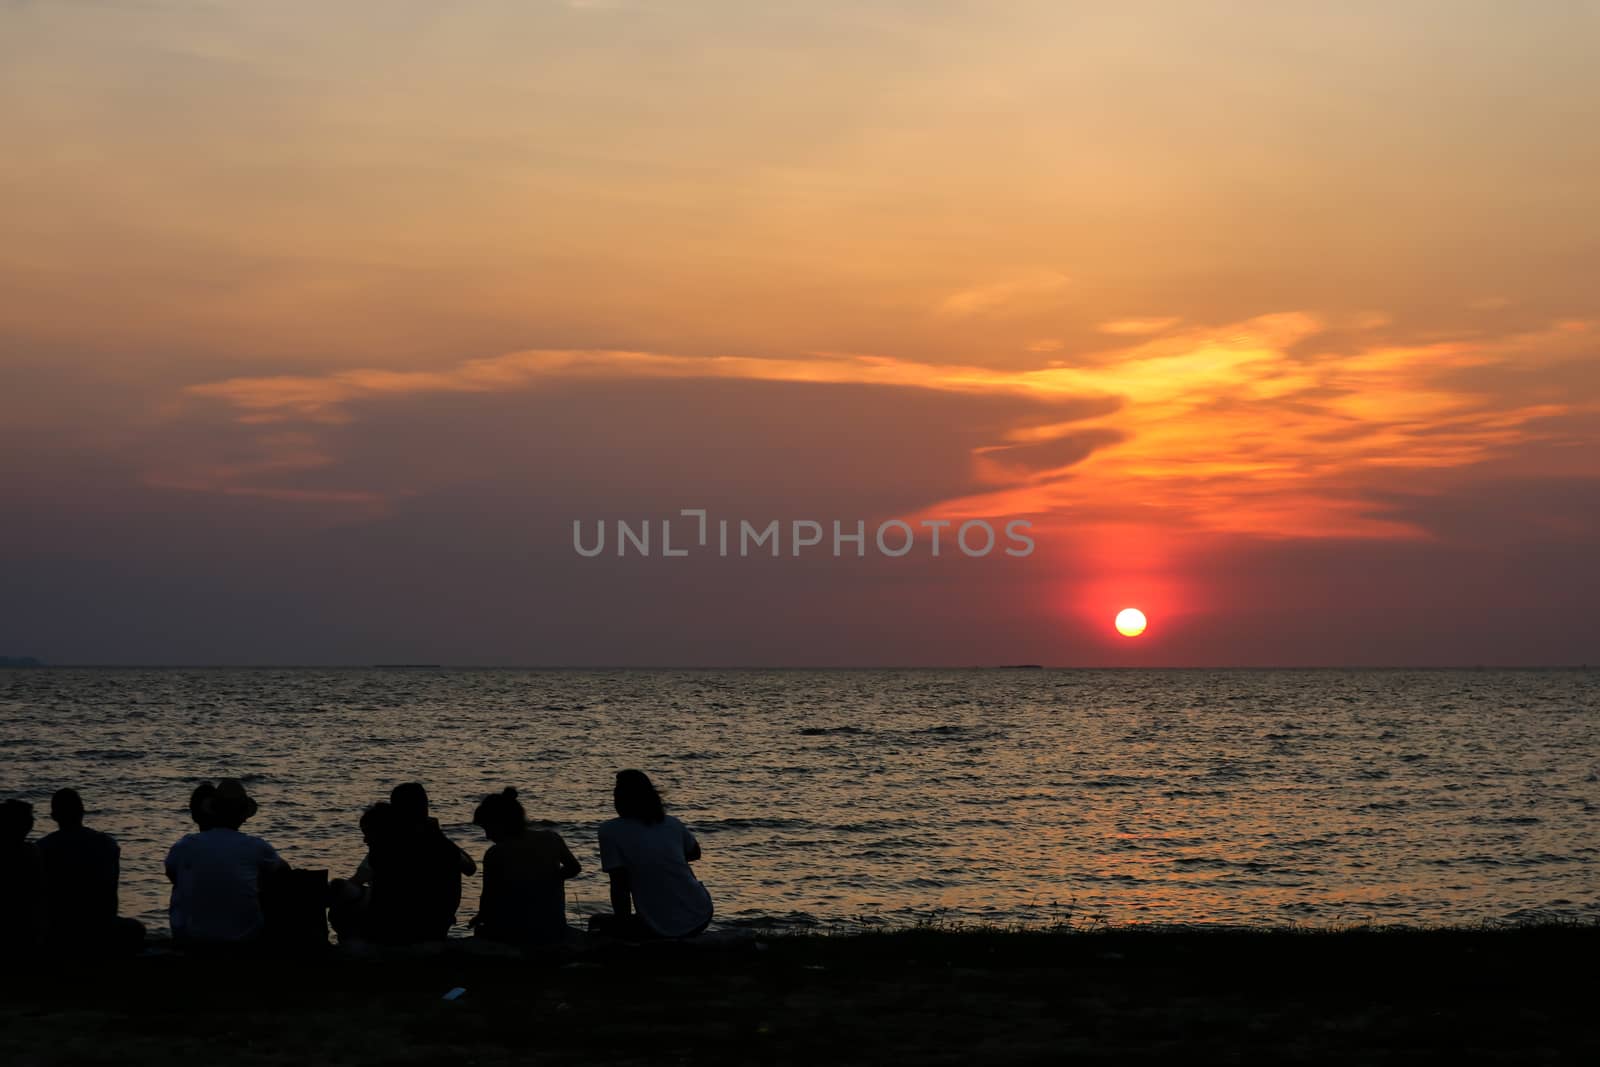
x=1391 y=996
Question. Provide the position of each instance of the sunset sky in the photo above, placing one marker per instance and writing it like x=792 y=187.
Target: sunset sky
x=320 y=324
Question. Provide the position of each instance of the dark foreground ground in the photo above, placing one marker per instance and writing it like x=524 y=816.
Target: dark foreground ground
x=922 y=996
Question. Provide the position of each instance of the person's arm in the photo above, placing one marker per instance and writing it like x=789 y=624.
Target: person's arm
x=489 y=895
x=569 y=865
x=271 y=862
x=691 y=847
x=614 y=863
x=621 y=893
x=41 y=891
x=466 y=863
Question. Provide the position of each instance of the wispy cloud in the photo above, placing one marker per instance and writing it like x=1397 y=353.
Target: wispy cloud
x=1026 y=293
x=1219 y=429
x=1137 y=327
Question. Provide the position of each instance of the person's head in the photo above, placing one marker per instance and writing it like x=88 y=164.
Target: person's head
x=377 y=824
x=199 y=805
x=229 y=806
x=410 y=802
x=16 y=820
x=66 y=808
x=635 y=797
x=501 y=815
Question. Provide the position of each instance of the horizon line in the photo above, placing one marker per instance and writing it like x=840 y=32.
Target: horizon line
x=44 y=666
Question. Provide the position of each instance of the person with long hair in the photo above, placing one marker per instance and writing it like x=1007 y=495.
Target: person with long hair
x=647 y=853
x=524 y=898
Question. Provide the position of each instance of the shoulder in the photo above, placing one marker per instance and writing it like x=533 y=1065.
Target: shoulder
x=549 y=839
x=250 y=843
x=612 y=827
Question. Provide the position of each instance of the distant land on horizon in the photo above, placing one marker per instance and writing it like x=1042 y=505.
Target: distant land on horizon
x=32 y=662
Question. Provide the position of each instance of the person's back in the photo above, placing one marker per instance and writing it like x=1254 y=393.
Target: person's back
x=416 y=885
x=216 y=884
x=22 y=884
x=524 y=889
x=81 y=866
x=655 y=857
x=216 y=874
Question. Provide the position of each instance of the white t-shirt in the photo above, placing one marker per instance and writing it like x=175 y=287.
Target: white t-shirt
x=665 y=891
x=216 y=877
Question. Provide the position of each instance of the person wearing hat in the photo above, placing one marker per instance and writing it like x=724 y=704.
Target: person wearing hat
x=216 y=873
x=82 y=867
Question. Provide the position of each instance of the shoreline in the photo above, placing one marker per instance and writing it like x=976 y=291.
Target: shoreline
x=1108 y=994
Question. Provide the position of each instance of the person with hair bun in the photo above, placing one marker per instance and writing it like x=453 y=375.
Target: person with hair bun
x=524 y=898
x=647 y=854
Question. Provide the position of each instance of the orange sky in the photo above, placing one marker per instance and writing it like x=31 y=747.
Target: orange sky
x=1277 y=321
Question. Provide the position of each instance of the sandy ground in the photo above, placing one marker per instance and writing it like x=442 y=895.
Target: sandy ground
x=926 y=996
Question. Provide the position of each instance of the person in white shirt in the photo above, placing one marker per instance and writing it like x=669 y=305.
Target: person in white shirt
x=216 y=873
x=647 y=854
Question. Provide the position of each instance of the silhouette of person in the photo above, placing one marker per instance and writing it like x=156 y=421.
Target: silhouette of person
x=523 y=900
x=216 y=873
x=197 y=805
x=410 y=803
x=22 y=886
x=352 y=897
x=647 y=854
x=415 y=873
x=82 y=867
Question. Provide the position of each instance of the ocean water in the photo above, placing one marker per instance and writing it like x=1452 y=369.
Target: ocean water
x=835 y=797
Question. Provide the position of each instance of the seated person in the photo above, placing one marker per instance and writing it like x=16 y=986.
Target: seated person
x=82 y=867
x=410 y=803
x=216 y=873
x=199 y=805
x=647 y=853
x=352 y=897
x=415 y=873
x=523 y=900
x=22 y=885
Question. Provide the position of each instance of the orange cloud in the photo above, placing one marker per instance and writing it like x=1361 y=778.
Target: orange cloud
x=1030 y=292
x=1135 y=327
x=1235 y=429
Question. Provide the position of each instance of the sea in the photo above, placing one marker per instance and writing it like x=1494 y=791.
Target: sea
x=864 y=798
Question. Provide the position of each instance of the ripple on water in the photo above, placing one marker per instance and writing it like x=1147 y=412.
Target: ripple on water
x=821 y=797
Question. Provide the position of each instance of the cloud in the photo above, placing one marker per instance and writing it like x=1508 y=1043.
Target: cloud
x=1136 y=327
x=1013 y=296
x=1234 y=429
x=326 y=399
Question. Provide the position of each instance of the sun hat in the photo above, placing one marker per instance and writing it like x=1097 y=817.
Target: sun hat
x=229 y=803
